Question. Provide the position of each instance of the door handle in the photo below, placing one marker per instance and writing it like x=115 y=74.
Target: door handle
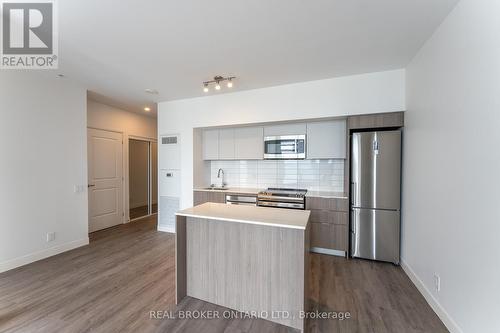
x=90 y=185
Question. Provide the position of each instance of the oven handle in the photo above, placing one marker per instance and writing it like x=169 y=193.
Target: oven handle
x=276 y=198
x=280 y=205
x=241 y=198
x=241 y=203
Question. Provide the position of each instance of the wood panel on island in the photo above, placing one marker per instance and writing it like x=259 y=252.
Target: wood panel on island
x=245 y=258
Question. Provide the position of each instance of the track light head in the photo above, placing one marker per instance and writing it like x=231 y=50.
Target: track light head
x=217 y=81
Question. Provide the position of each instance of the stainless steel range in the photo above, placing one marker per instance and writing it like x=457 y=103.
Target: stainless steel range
x=282 y=198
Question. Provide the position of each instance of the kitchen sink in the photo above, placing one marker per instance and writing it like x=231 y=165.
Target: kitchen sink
x=216 y=188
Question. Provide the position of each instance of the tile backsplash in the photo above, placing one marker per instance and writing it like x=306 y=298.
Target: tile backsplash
x=314 y=175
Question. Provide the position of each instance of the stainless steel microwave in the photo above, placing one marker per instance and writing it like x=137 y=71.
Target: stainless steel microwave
x=285 y=147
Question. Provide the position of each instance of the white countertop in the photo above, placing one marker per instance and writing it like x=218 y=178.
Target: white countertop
x=242 y=190
x=274 y=217
x=326 y=194
x=255 y=191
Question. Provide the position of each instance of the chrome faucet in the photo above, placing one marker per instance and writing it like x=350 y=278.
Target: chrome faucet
x=221 y=178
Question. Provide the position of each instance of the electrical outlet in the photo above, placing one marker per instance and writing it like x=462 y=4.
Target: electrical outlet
x=51 y=236
x=437 y=282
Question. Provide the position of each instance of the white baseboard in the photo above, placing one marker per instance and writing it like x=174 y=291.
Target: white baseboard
x=45 y=253
x=166 y=229
x=433 y=302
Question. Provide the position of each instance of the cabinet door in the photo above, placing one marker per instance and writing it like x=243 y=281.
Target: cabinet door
x=199 y=198
x=329 y=236
x=249 y=143
x=226 y=144
x=334 y=204
x=285 y=129
x=211 y=144
x=218 y=197
x=326 y=139
x=392 y=119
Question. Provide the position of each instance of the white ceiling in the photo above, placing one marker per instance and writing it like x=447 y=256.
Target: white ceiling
x=119 y=48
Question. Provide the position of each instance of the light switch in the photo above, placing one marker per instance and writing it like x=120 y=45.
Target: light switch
x=51 y=236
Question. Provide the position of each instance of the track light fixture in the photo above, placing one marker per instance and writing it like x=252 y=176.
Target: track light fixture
x=217 y=81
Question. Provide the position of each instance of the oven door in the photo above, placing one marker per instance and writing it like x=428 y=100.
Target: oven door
x=285 y=147
x=244 y=200
x=274 y=204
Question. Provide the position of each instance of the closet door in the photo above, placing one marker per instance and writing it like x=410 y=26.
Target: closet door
x=139 y=187
x=154 y=178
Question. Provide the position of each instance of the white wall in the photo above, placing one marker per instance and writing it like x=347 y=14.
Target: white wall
x=451 y=220
x=367 y=93
x=43 y=155
x=131 y=125
x=107 y=117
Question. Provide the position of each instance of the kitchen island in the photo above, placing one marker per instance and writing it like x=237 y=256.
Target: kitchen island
x=246 y=258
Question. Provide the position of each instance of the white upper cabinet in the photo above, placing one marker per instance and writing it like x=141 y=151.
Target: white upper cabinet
x=226 y=144
x=211 y=144
x=285 y=129
x=326 y=140
x=249 y=143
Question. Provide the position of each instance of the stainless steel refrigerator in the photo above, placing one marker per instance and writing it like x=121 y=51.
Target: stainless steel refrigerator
x=376 y=195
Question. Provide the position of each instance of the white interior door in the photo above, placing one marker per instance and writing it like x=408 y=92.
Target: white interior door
x=105 y=168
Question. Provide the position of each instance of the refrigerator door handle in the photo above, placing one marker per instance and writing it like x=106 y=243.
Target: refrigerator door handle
x=353 y=219
x=353 y=193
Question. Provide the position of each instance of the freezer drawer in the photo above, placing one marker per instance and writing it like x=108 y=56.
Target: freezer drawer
x=375 y=234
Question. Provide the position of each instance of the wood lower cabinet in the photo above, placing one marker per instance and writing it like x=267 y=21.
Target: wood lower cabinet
x=329 y=216
x=329 y=223
x=200 y=197
x=331 y=204
x=329 y=236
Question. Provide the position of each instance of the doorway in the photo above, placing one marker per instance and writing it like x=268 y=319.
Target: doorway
x=143 y=169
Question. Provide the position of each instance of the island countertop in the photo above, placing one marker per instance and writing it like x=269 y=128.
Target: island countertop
x=274 y=217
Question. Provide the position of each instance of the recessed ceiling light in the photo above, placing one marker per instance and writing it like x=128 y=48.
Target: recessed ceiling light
x=151 y=91
x=147 y=109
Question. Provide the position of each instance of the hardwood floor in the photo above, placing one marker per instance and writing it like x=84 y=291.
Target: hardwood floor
x=142 y=211
x=127 y=271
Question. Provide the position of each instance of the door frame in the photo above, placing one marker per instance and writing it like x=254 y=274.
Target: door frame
x=125 y=157
x=150 y=193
